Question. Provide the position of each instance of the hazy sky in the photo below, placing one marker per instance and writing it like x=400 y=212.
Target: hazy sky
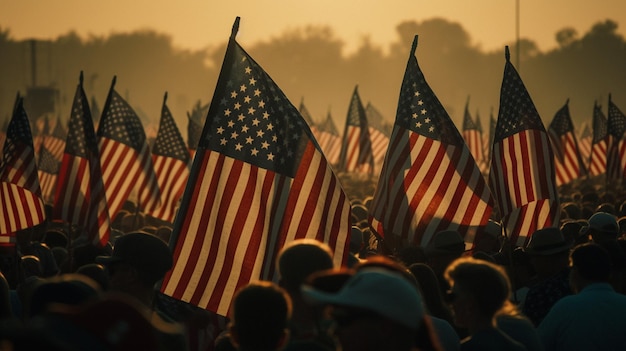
x=195 y=24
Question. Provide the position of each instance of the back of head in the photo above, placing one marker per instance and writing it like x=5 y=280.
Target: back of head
x=592 y=262
x=602 y=226
x=486 y=282
x=148 y=254
x=259 y=316
x=301 y=258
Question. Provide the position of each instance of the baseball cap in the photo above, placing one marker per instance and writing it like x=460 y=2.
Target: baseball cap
x=378 y=290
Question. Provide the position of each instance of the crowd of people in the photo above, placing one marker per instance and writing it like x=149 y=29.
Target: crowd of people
x=565 y=290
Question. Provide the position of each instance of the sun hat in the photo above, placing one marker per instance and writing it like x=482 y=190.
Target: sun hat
x=377 y=290
x=547 y=241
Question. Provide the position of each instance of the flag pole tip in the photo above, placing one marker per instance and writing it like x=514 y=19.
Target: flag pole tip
x=233 y=33
x=507 y=54
x=80 y=78
x=165 y=97
x=414 y=45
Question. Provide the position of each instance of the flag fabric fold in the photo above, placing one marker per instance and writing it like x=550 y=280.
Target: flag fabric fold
x=80 y=195
x=429 y=182
x=258 y=181
x=125 y=157
x=599 y=143
x=171 y=161
x=21 y=203
x=616 y=149
x=568 y=161
x=522 y=176
x=356 y=147
x=584 y=143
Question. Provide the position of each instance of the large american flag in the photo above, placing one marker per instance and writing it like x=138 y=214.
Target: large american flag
x=430 y=181
x=568 y=161
x=473 y=138
x=522 y=164
x=257 y=182
x=356 y=146
x=329 y=140
x=125 y=156
x=48 y=169
x=171 y=161
x=616 y=152
x=80 y=195
x=599 y=143
x=21 y=205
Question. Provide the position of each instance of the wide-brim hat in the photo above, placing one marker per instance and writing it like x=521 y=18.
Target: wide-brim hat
x=547 y=241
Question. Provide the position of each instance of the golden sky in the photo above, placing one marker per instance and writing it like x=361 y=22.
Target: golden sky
x=195 y=24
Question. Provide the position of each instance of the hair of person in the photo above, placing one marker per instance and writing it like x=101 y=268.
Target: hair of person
x=486 y=282
x=592 y=262
x=431 y=293
x=260 y=313
x=299 y=258
x=380 y=261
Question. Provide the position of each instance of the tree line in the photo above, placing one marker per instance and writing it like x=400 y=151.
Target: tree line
x=309 y=63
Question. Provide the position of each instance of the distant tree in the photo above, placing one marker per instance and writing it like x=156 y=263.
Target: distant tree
x=566 y=36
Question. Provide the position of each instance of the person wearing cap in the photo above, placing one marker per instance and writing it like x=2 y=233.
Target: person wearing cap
x=138 y=261
x=548 y=252
x=374 y=310
x=479 y=290
x=603 y=229
x=593 y=318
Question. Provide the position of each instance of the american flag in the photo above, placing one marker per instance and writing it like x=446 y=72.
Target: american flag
x=258 y=181
x=48 y=169
x=430 y=181
x=568 y=162
x=304 y=112
x=484 y=137
x=616 y=152
x=329 y=140
x=80 y=195
x=597 y=160
x=195 y=121
x=356 y=146
x=171 y=161
x=473 y=138
x=21 y=205
x=378 y=134
x=522 y=165
x=125 y=156
x=3 y=134
x=584 y=143
x=55 y=142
